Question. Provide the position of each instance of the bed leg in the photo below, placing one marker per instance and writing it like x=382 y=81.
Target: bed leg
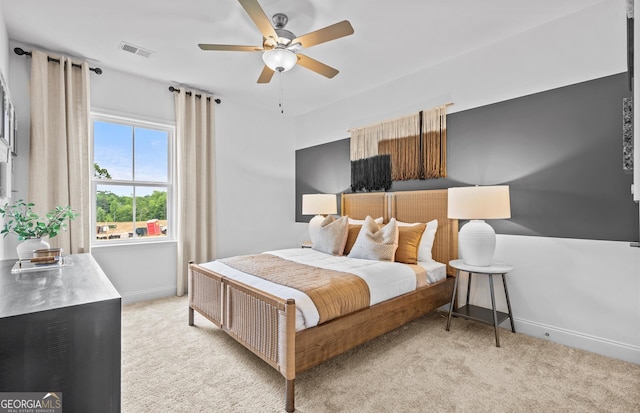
x=289 y=396
x=191 y=316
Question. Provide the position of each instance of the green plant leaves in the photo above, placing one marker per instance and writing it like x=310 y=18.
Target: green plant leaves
x=27 y=224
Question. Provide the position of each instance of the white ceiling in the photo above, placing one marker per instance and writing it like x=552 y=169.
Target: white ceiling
x=392 y=39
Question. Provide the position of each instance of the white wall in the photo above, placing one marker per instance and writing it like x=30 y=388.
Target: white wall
x=582 y=293
x=584 y=46
x=4 y=47
x=8 y=244
x=256 y=180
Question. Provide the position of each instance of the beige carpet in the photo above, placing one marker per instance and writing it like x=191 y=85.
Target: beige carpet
x=168 y=366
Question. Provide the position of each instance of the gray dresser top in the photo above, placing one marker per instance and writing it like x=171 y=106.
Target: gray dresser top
x=81 y=282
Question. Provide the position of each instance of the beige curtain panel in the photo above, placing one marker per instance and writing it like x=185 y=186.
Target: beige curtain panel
x=196 y=199
x=59 y=156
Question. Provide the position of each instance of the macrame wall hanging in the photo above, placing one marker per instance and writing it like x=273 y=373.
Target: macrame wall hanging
x=410 y=147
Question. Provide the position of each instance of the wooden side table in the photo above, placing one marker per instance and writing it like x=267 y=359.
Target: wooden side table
x=476 y=313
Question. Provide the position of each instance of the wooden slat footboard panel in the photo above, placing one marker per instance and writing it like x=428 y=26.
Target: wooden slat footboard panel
x=205 y=293
x=254 y=322
x=261 y=322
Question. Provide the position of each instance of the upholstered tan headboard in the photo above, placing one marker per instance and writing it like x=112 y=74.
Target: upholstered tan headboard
x=424 y=206
x=410 y=206
x=359 y=205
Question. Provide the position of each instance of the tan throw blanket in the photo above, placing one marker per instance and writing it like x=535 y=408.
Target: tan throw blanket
x=334 y=293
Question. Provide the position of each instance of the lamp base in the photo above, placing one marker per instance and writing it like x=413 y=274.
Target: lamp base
x=477 y=242
x=314 y=227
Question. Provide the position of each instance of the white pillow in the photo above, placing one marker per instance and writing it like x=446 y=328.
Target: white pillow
x=426 y=242
x=374 y=243
x=361 y=221
x=332 y=235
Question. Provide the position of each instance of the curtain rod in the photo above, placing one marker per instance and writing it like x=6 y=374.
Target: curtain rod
x=21 y=52
x=173 y=89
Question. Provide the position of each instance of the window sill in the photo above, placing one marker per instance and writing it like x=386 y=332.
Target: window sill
x=134 y=244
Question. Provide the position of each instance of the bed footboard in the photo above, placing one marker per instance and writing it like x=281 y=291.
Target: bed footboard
x=261 y=322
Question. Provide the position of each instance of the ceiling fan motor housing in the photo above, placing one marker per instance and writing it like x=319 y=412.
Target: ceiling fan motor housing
x=279 y=20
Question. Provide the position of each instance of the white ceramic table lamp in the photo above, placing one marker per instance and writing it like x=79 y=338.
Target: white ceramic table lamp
x=477 y=239
x=319 y=205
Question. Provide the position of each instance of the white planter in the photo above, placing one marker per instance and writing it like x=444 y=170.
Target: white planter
x=25 y=248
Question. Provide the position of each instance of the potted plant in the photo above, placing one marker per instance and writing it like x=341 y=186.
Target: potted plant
x=31 y=228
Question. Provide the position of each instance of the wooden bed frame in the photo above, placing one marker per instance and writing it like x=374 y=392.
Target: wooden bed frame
x=265 y=324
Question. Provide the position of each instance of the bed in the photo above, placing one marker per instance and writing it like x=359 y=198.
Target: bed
x=266 y=323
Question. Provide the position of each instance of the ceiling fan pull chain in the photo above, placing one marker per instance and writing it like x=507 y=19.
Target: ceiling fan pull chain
x=281 y=92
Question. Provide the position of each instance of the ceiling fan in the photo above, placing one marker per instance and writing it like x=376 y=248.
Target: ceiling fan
x=280 y=47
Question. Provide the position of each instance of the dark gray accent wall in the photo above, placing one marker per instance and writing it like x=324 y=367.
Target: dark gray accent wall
x=322 y=169
x=559 y=150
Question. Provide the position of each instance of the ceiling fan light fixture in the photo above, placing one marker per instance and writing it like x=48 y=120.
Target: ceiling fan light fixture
x=279 y=60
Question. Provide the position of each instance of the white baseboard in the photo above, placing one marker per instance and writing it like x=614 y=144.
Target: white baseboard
x=605 y=347
x=145 y=295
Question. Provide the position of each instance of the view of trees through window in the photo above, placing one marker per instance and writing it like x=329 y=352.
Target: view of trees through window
x=131 y=180
x=119 y=208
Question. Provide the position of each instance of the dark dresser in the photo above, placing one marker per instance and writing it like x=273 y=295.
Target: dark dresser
x=60 y=332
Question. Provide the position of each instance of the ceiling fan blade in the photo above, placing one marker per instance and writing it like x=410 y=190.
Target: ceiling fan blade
x=318 y=67
x=335 y=31
x=260 y=19
x=229 y=47
x=266 y=75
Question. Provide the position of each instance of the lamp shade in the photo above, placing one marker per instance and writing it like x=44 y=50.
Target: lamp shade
x=479 y=202
x=279 y=60
x=319 y=204
x=477 y=240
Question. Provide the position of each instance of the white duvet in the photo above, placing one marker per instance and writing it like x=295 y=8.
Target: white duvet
x=385 y=279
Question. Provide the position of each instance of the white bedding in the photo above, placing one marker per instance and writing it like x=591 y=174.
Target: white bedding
x=385 y=279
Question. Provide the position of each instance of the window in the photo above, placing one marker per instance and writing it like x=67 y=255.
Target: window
x=132 y=179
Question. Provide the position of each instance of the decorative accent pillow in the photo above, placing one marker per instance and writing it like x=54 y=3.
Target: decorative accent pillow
x=361 y=221
x=332 y=235
x=352 y=234
x=354 y=229
x=409 y=237
x=375 y=243
x=426 y=242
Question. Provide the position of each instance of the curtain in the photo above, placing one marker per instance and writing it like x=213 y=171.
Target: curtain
x=59 y=169
x=196 y=199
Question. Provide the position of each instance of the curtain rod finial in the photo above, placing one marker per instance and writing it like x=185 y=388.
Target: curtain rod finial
x=20 y=52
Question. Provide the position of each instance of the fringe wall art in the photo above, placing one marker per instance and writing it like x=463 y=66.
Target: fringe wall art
x=373 y=173
x=410 y=147
x=434 y=143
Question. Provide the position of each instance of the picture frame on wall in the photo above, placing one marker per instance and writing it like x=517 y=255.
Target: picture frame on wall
x=13 y=130
x=3 y=112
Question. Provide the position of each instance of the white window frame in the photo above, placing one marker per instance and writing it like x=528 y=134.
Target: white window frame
x=170 y=184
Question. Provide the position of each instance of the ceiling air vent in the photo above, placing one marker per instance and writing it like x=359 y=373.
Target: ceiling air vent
x=128 y=47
